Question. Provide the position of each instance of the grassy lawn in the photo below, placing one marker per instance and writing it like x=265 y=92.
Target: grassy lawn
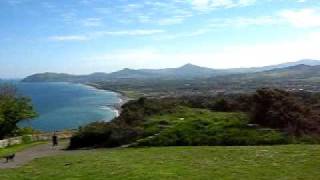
x=255 y=162
x=17 y=148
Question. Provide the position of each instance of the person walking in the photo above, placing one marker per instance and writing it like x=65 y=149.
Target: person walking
x=54 y=140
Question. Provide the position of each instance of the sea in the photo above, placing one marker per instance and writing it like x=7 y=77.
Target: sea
x=65 y=106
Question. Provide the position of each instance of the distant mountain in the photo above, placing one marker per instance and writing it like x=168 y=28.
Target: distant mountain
x=302 y=75
x=308 y=62
x=50 y=77
x=131 y=74
x=300 y=71
x=188 y=71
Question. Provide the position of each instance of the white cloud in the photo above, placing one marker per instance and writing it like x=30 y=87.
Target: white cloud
x=304 y=18
x=259 y=54
x=171 y=21
x=138 y=32
x=244 y=21
x=200 y=4
x=69 y=38
x=92 y=22
x=99 y=34
x=15 y=2
x=214 y=24
x=213 y=4
x=132 y=7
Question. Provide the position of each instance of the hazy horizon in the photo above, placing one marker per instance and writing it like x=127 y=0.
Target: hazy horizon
x=19 y=78
x=86 y=36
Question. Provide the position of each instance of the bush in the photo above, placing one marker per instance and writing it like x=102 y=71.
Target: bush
x=102 y=134
x=26 y=139
x=282 y=110
x=25 y=131
x=204 y=133
x=13 y=109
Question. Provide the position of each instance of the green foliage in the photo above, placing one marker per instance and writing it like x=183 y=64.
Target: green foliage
x=279 y=109
x=26 y=139
x=13 y=109
x=102 y=134
x=26 y=131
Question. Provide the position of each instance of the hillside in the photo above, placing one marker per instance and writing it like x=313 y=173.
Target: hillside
x=290 y=78
x=308 y=62
x=50 y=77
x=300 y=77
x=186 y=72
x=293 y=72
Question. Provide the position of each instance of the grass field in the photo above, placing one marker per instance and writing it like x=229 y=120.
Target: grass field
x=17 y=148
x=256 y=162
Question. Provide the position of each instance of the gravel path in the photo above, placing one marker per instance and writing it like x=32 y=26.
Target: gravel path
x=32 y=153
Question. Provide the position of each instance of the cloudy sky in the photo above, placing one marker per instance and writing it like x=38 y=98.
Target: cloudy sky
x=84 y=36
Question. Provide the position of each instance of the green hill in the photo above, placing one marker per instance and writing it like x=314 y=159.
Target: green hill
x=189 y=126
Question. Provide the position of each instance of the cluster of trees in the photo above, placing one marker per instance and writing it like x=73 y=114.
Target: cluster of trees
x=283 y=110
x=13 y=109
x=295 y=114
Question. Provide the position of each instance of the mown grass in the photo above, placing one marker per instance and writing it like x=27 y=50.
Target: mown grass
x=17 y=148
x=251 y=162
x=189 y=126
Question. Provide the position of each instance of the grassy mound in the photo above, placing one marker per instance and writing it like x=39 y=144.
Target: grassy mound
x=190 y=126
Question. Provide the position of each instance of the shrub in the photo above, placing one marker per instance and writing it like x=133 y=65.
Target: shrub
x=13 y=109
x=102 y=134
x=282 y=110
x=214 y=132
x=26 y=139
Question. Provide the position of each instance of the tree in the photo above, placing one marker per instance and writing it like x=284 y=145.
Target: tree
x=279 y=109
x=13 y=109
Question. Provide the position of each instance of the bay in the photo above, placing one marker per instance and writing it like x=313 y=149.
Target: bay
x=67 y=106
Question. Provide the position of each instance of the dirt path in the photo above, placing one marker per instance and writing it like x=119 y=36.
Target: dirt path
x=32 y=153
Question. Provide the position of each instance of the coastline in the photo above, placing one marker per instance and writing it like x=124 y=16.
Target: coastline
x=101 y=105
x=123 y=99
x=116 y=107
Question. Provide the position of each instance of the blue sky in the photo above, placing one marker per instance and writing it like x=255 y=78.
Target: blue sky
x=85 y=36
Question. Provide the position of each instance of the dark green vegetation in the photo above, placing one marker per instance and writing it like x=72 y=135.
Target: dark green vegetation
x=264 y=162
x=269 y=116
x=17 y=148
x=13 y=109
